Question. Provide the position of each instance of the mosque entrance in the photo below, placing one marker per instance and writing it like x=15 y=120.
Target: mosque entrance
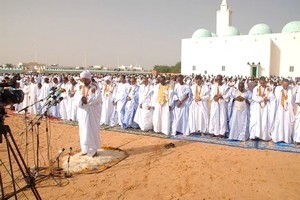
x=254 y=72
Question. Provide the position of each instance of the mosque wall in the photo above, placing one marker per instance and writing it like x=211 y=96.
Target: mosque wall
x=286 y=54
x=225 y=55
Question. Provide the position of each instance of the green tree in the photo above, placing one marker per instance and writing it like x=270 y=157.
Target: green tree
x=176 y=68
x=8 y=65
x=161 y=68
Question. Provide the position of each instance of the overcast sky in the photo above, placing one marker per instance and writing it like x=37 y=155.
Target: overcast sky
x=112 y=32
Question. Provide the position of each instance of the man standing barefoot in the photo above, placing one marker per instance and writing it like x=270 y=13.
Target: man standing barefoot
x=89 y=101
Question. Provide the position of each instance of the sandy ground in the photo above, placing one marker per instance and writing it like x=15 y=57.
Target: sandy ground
x=191 y=170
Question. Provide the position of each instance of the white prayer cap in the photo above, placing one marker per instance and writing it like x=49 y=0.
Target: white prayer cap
x=107 y=78
x=86 y=74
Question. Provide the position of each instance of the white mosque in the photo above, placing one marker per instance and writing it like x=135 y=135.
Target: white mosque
x=260 y=53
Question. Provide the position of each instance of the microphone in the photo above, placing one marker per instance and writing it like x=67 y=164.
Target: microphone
x=51 y=101
x=70 y=153
x=70 y=150
x=58 y=101
x=59 y=154
x=51 y=93
x=62 y=150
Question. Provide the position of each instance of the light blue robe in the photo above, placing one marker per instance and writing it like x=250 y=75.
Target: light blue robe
x=130 y=106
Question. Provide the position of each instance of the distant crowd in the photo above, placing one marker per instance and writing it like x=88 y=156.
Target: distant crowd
x=237 y=107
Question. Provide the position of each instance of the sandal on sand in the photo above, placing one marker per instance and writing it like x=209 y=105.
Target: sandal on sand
x=170 y=145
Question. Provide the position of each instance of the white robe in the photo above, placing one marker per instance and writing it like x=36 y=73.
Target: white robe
x=161 y=114
x=25 y=103
x=88 y=119
x=284 y=118
x=218 y=110
x=44 y=93
x=240 y=116
x=199 y=111
x=32 y=98
x=181 y=114
x=107 y=106
x=72 y=106
x=296 y=135
x=143 y=116
x=119 y=96
x=63 y=105
x=262 y=116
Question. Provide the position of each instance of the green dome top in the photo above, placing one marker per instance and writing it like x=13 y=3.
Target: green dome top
x=201 y=33
x=260 y=29
x=291 y=27
x=231 y=31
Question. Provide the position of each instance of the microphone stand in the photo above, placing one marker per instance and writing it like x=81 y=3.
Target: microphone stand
x=51 y=171
x=37 y=167
x=57 y=160
x=68 y=174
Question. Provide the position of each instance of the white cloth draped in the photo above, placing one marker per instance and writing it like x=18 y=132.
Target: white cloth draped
x=240 y=117
x=143 y=116
x=218 y=110
x=284 y=117
x=181 y=114
x=107 y=106
x=199 y=111
x=262 y=117
x=161 y=114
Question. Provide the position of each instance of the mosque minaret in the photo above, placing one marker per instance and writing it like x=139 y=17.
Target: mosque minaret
x=224 y=18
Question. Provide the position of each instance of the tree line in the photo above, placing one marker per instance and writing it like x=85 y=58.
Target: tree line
x=168 y=69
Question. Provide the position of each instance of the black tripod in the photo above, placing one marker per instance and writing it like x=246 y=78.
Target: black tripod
x=13 y=151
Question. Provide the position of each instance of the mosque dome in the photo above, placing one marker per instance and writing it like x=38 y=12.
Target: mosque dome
x=231 y=31
x=260 y=29
x=201 y=33
x=291 y=27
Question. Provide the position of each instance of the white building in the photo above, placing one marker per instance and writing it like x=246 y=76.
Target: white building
x=260 y=53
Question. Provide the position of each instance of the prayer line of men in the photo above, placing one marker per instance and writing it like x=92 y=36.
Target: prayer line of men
x=219 y=108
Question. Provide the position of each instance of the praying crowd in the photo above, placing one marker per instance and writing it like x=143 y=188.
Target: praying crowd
x=237 y=108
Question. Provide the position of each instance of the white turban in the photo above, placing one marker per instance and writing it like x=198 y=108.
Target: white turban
x=107 y=78
x=86 y=74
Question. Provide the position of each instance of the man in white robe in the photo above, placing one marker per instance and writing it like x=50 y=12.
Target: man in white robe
x=63 y=105
x=55 y=108
x=240 y=116
x=32 y=96
x=181 y=95
x=262 y=111
x=144 y=112
x=218 y=111
x=107 y=98
x=162 y=101
x=88 y=99
x=44 y=94
x=119 y=99
x=26 y=90
x=284 y=117
x=39 y=104
x=199 y=110
x=72 y=106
